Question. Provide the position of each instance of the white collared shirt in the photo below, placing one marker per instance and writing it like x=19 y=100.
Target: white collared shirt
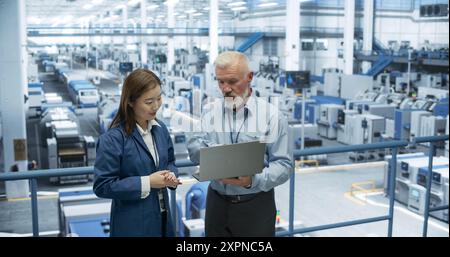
x=148 y=140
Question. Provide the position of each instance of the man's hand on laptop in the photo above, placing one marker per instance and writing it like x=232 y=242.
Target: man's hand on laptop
x=244 y=181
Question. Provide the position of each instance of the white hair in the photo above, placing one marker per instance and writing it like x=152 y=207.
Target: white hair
x=228 y=58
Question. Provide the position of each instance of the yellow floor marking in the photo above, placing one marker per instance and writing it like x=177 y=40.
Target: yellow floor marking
x=29 y=198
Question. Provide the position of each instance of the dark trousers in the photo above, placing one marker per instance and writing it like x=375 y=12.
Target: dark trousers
x=254 y=217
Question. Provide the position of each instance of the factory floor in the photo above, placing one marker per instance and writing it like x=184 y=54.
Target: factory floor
x=322 y=196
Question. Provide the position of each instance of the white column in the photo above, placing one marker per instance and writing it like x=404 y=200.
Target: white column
x=190 y=44
x=101 y=25
x=143 y=38
x=88 y=46
x=13 y=79
x=349 y=30
x=367 y=31
x=292 y=44
x=213 y=34
x=111 y=42
x=125 y=22
x=170 y=43
x=96 y=58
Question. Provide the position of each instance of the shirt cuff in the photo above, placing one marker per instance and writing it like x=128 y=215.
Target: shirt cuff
x=145 y=186
x=255 y=182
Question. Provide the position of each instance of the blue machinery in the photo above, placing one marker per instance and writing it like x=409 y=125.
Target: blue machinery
x=196 y=198
x=394 y=145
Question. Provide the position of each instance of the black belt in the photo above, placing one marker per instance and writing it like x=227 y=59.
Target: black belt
x=237 y=198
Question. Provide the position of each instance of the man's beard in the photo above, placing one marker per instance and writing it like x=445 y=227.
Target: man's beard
x=236 y=102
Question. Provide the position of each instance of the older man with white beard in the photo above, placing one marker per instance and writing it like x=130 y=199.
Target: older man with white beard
x=242 y=206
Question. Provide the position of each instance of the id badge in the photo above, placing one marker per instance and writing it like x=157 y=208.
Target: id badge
x=162 y=205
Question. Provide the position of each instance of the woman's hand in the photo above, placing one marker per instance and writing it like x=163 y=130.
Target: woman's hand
x=163 y=178
x=172 y=179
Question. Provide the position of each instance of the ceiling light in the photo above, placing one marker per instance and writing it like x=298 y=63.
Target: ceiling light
x=152 y=6
x=240 y=8
x=133 y=2
x=197 y=14
x=172 y=2
x=87 y=6
x=236 y=3
x=268 y=4
x=190 y=11
x=96 y=2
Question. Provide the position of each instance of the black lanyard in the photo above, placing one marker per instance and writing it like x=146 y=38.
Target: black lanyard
x=234 y=121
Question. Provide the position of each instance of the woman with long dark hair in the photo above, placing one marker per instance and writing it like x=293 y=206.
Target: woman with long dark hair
x=135 y=161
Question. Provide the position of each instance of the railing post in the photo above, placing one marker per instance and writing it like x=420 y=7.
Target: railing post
x=392 y=174
x=291 y=200
x=173 y=209
x=426 y=213
x=34 y=207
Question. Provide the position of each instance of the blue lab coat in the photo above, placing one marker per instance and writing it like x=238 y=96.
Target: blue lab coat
x=120 y=163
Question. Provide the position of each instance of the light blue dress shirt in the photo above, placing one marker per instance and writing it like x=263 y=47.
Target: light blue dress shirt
x=264 y=122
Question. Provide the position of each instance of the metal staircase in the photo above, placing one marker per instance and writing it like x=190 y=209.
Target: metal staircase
x=250 y=42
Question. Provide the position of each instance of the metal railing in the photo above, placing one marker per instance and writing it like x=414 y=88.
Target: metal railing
x=32 y=176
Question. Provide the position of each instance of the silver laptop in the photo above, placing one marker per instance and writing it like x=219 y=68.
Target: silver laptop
x=229 y=161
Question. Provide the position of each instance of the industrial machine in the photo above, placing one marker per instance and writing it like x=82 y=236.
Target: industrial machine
x=294 y=105
x=83 y=93
x=365 y=129
x=311 y=139
x=67 y=150
x=416 y=199
x=180 y=150
x=82 y=214
x=416 y=121
x=402 y=123
x=435 y=93
x=384 y=110
x=432 y=126
x=328 y=120
x=106 y=110
x=343 y=125
x=57 y=114
x=65 y=146
x=408 y=169
x=195 y=210
x=35 y=95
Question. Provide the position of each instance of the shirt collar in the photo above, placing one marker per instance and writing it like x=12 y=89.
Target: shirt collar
x=250 y=105
x=151 y=123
